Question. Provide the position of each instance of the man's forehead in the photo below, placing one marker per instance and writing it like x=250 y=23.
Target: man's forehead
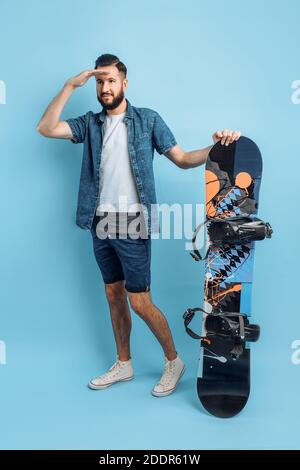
x=106 y=71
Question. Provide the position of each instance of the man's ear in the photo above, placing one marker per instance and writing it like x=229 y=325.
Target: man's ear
x=125 y=83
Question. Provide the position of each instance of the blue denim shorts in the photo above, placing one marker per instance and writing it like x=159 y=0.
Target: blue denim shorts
x=123 y=259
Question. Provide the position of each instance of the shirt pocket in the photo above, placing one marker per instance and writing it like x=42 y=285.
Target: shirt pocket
x=143 y=141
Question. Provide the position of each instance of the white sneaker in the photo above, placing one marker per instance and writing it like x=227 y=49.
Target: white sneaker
x=172 y=373
x=120 y=371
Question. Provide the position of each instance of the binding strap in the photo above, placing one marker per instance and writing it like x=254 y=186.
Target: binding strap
x=188 y=317
x=196 y=253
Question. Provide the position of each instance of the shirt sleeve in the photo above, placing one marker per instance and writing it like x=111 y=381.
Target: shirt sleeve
x=78 y=128
x=163 y=138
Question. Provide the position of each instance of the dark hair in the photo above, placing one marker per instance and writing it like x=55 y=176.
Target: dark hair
x=109 y=59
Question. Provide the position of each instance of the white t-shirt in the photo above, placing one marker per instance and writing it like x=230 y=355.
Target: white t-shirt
x=117 y=182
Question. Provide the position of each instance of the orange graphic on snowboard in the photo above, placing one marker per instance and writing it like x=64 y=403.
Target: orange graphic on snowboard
x=242 y=180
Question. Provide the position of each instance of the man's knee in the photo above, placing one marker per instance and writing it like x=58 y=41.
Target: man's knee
x=115 y=292
x=140 y=302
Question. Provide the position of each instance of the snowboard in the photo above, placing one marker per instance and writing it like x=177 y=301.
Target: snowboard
x=233 y=176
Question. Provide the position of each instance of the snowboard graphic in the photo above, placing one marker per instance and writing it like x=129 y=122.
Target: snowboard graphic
x=233 y=177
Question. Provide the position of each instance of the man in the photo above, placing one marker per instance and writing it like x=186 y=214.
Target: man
x=117 y=163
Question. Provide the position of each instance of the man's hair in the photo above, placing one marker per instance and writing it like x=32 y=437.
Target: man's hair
x=109 y=59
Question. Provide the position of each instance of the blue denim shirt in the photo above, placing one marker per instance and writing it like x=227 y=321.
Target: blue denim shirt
x=146 y=132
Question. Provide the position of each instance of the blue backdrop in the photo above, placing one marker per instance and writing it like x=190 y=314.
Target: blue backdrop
x=203 y=66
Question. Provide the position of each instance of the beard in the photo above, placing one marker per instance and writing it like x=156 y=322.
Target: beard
x=115 y=102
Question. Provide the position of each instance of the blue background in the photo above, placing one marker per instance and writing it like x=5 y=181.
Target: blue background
x=203 y=66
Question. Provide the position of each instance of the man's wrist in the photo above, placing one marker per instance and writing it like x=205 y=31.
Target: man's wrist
x=69 y=87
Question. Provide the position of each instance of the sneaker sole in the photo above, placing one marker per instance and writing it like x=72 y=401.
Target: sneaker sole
x=168 y=392
x=100 y=387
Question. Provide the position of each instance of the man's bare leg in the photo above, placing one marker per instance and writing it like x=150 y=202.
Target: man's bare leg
x=142 y=304
x=120 y=317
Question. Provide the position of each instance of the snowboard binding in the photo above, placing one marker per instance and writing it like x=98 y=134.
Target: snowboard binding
x=236 y=230
x=226 y=332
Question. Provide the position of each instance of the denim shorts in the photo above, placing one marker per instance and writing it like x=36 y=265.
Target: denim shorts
x=125 y=259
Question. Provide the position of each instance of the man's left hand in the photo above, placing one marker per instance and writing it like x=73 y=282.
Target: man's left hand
x=226 y=137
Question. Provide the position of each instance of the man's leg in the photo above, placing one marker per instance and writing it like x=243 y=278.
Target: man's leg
x=174 y=367
x=142 y=304
x=120 y=317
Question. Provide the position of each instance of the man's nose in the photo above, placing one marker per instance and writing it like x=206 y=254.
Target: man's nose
x=105 y=87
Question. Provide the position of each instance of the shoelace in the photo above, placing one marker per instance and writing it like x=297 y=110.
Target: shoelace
x=168 y=373
x=116 y=366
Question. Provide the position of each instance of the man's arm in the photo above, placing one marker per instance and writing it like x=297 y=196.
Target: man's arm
x=187 y=160
x=50 y=124
x=195 y=158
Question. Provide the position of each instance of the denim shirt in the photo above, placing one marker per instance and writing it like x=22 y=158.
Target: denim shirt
x=146 y=132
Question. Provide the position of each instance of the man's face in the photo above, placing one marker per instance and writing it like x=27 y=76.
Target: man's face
x=110 y=86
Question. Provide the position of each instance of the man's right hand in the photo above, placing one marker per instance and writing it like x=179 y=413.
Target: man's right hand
x=82 y=78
